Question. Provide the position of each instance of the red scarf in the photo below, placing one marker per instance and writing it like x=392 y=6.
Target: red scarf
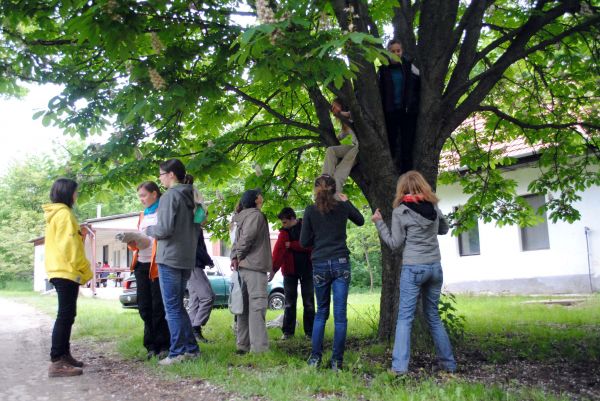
x=413 y=198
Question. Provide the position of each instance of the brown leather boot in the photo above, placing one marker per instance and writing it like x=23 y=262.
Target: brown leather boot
x=72 y=361
x=62 y=368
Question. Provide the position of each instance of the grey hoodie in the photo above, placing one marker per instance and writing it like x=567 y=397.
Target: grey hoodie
x=416 y=233
x=252 y=246
x=175 y=230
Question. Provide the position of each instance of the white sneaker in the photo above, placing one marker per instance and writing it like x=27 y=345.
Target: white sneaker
x=172 y=360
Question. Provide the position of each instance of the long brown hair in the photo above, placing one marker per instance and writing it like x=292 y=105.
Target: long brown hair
x=324 y=191
x=413 y=183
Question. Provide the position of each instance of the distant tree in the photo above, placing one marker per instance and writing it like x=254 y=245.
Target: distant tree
x=364 y=246
x=24 y=188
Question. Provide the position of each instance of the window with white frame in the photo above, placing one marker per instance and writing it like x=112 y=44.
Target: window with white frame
x=536 y=237
x=468 y=241
x=116 y=259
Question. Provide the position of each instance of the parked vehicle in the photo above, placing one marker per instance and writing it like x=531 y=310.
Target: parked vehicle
x=220 y=279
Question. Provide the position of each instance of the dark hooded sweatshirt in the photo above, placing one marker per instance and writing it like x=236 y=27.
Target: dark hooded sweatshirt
x=175 y=230
x=415 y=226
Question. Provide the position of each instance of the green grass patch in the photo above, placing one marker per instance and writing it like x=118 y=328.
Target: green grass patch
x=500 y=328
x=16 y=286
x=505 y=327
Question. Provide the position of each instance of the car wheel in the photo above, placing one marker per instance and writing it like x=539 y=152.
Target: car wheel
x=276 y=301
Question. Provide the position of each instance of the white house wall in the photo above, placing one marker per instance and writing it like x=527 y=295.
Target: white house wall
x=113 y=245
x=502 y=266
x=39 y=270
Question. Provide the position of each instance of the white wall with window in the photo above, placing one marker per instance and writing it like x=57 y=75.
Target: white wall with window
x=547 y=258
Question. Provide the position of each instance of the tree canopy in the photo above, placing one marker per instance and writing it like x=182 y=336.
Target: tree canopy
x=241 y=90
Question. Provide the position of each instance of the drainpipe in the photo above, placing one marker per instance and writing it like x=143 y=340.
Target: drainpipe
x=93 y=240
x=587 y=244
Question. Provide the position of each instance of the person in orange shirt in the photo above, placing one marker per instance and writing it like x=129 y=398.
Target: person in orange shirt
x=145 y=269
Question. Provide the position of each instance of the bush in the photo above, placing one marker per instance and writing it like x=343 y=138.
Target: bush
x=454 y=323
x=5 y=277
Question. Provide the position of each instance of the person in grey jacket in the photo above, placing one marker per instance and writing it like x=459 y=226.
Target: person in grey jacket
x=177 y=236
x=416 y=223
x=251 y=257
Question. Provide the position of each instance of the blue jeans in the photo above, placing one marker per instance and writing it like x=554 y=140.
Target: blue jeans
x=173 y=283
x=331 y=274
x=427 y=280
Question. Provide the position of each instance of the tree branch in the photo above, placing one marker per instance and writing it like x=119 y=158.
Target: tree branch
x=260 y=108
x=523 y=124
x=471 y=21
x=322 y=109
x=515 y=52
x=272 y=140
x=39 y=42
x=403 y=21
x=272 y=111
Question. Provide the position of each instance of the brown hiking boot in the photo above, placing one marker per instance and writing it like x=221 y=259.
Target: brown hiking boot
x=62 y=368
x=72 y=361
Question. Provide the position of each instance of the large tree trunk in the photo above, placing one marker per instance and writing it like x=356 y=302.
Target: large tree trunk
x=368 y=266
x=390 y=293
x=375 y=173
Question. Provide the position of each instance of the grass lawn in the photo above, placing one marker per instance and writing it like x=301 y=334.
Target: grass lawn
x=502 y=334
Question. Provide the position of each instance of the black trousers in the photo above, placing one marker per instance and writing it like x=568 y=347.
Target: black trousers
x=401 y=129
x=67 y=291
x=290 y=286
x=152 y=310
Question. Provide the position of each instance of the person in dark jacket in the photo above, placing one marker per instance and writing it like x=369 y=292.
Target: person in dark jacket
x=399 y=86
x=295 y=264
x=202 y=296
x=416 y=223
x=324 y=228
x=177 y=236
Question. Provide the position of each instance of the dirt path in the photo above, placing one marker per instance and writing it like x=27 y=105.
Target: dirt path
x=25 y=344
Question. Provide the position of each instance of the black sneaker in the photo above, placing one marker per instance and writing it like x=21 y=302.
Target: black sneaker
x=314 y=361
x=336 y=366
x=198 y=335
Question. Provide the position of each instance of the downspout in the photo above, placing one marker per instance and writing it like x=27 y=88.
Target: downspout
x=587 y=244
x=93 y=234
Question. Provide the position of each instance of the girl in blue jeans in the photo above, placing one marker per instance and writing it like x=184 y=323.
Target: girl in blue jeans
x=416 y=223
x=177 y=237
x=324 y=228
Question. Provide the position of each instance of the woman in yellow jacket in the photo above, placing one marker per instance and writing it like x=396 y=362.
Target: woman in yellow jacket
x=67 y=268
